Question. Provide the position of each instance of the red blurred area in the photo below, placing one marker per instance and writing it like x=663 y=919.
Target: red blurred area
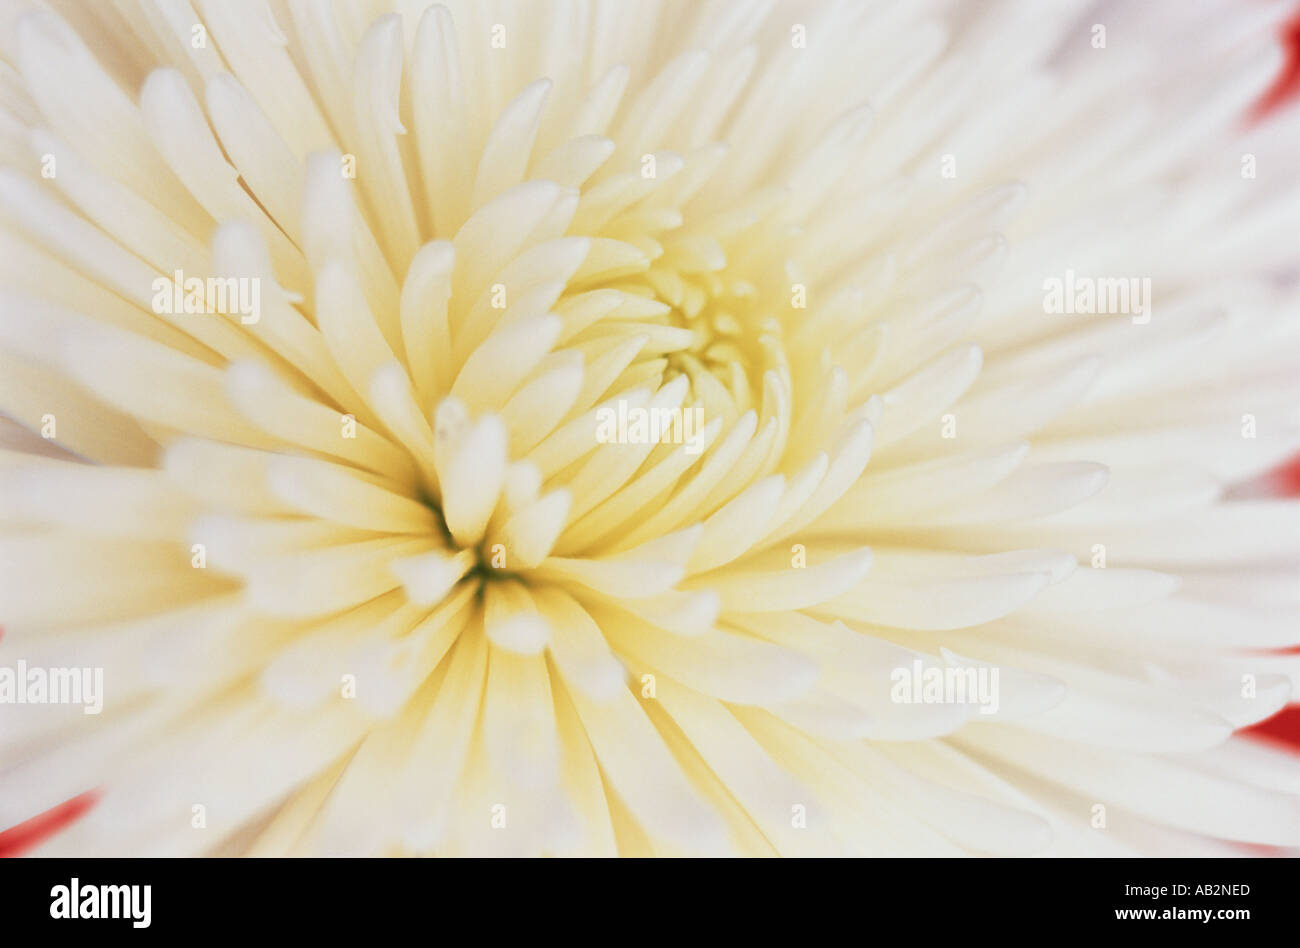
x=1286 y=479
x=19 y=839
x=1284 y=726
x=1287 y=84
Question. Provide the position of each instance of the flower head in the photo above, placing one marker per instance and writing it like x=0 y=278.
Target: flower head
x=554 y=428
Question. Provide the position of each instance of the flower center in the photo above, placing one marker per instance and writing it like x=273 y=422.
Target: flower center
x=735 y=337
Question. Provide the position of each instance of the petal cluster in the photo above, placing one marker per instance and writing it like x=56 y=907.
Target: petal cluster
x=606 y=407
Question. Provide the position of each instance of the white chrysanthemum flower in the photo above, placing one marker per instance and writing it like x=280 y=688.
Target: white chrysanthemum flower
x=627 y=427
